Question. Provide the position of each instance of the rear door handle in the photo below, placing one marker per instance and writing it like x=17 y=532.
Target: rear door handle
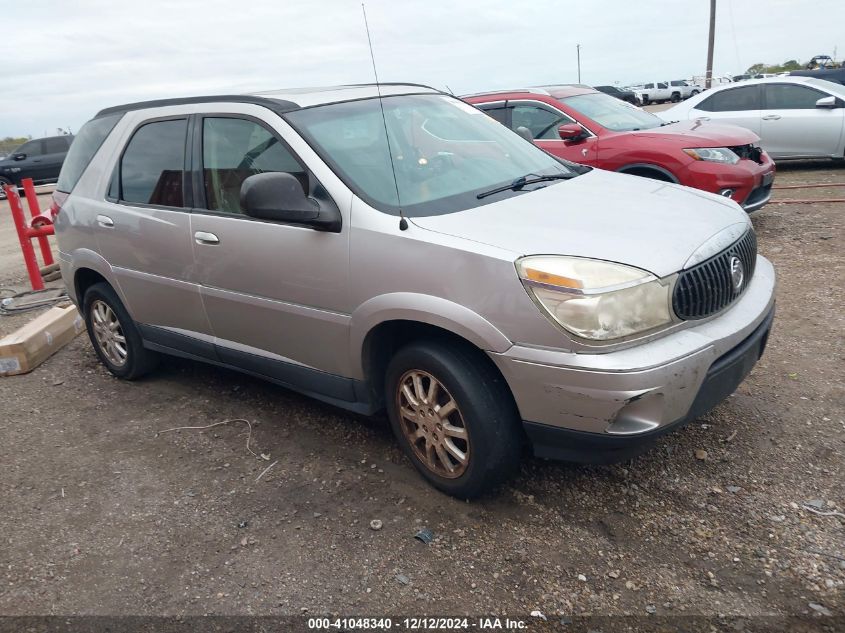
x=771 y=117
x=203 y=237
x=702 y=118
x=105 y=221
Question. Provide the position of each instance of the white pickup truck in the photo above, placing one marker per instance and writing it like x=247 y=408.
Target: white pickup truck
x=683 y=89
x=657 y=91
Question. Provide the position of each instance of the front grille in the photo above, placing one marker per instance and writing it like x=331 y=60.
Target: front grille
x=707 y=287
x=750 y=152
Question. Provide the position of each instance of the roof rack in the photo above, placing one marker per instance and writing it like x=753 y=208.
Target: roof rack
x=534 y=90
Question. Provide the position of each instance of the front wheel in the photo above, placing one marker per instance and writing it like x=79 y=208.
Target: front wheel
x=4 y=182
x=453 y=416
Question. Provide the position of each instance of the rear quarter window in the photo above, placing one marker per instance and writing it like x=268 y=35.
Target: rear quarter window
x=82 y=150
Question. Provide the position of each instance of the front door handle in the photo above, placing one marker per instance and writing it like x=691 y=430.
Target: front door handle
x=702 y=118
x=771 y=117
x=105 y=221
x=203 y=237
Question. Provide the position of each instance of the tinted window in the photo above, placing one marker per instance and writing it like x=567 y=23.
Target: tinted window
x=648 y=86
x=498 y=113
x=790 y=97
x=662 y=85
x=32 y=148
x=152 y=168
x=734 y=99
x=540 y=122
x=235 y=149
x=56 y=145
x=82 y=150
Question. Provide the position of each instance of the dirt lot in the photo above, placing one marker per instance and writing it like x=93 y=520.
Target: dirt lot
x=103 y=516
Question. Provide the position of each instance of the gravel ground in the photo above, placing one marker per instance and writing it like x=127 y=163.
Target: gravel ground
x=102 y=514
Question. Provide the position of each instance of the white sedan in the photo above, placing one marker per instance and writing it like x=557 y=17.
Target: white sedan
x=795 y=117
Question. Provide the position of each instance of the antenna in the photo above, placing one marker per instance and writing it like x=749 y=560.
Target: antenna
x=403 y=223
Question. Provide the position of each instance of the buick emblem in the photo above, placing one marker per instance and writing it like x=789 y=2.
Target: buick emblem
x=737 y=274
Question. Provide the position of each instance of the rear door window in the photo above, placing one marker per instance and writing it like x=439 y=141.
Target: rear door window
x=55 y=145
x=82 y=150
x=233 y=150
x=791 y=97
x=732 y=100
x=152 y=170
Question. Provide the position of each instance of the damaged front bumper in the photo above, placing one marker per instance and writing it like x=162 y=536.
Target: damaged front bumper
x=606 y=407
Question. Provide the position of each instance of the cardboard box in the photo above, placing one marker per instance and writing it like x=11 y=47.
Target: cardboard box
x=29 y=346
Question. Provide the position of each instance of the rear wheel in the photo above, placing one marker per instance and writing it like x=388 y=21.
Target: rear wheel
x=453 y=416
x=113 y=334
x=676 y=96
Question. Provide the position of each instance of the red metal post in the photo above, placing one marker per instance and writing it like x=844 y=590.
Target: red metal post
x=23 y=235
x=35 y=210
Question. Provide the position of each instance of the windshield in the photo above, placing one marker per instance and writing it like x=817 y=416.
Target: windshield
x=445 y=152
x=611 y=113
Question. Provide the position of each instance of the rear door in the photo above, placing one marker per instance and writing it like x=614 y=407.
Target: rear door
x=792 y=125
x=55 y=150
x=143 y=230
x=738 y=106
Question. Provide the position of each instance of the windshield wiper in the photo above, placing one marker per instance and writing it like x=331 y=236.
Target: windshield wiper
x=522 y=181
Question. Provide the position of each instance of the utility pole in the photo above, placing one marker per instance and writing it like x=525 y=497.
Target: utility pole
x=578 y=52
x=708 y=75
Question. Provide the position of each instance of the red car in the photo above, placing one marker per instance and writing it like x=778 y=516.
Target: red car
x=586 y=126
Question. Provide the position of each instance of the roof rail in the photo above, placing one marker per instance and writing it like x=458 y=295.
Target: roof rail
x=534 y=90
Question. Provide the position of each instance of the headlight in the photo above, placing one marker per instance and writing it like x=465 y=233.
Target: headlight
x=595 y=299
x=713 y=155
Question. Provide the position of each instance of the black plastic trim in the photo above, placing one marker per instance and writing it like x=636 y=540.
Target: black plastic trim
x=346 y=393
x=276 y=105
x=722 y=379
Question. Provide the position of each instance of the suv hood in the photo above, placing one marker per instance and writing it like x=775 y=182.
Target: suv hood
x=700 y=134
x=656 y=226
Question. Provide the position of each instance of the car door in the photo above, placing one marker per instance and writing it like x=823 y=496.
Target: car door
x=792 y=125
x=143 y=230
x=55 y=150
x=542 y=120
x=737 y=106
x=276 y=295
x=29 y=161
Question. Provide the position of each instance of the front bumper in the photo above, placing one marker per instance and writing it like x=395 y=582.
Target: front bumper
x=603 y=407
x=750 y=182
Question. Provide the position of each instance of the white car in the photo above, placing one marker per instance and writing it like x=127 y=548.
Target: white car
x=795 y=117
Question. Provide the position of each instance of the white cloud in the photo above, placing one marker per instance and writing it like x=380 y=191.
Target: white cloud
x=66 y=60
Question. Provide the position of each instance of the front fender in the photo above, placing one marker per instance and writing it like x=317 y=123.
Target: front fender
x=409 y=306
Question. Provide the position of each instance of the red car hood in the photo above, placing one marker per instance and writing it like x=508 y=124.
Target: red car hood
x=700 y=134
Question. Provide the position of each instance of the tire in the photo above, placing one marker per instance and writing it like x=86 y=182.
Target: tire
x=484 y=424
x=127 y=358
x=693 y=93
x=3 y=182
x=645 y=100
x=676 y=96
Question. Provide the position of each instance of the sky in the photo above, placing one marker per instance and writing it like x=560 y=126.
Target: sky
x=66 y=59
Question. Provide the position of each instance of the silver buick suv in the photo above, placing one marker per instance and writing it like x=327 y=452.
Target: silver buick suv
x=393 y=248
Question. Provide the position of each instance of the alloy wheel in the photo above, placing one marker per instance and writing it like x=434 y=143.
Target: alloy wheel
x=109 y=333
x=433 y=424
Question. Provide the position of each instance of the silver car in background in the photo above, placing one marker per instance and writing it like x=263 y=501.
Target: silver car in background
x=795 y=117
x=399 y=250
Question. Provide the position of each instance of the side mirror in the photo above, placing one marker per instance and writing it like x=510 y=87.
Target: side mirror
x=18 y=156
x=828 y=102
x=279 y=196
x=571 y=132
